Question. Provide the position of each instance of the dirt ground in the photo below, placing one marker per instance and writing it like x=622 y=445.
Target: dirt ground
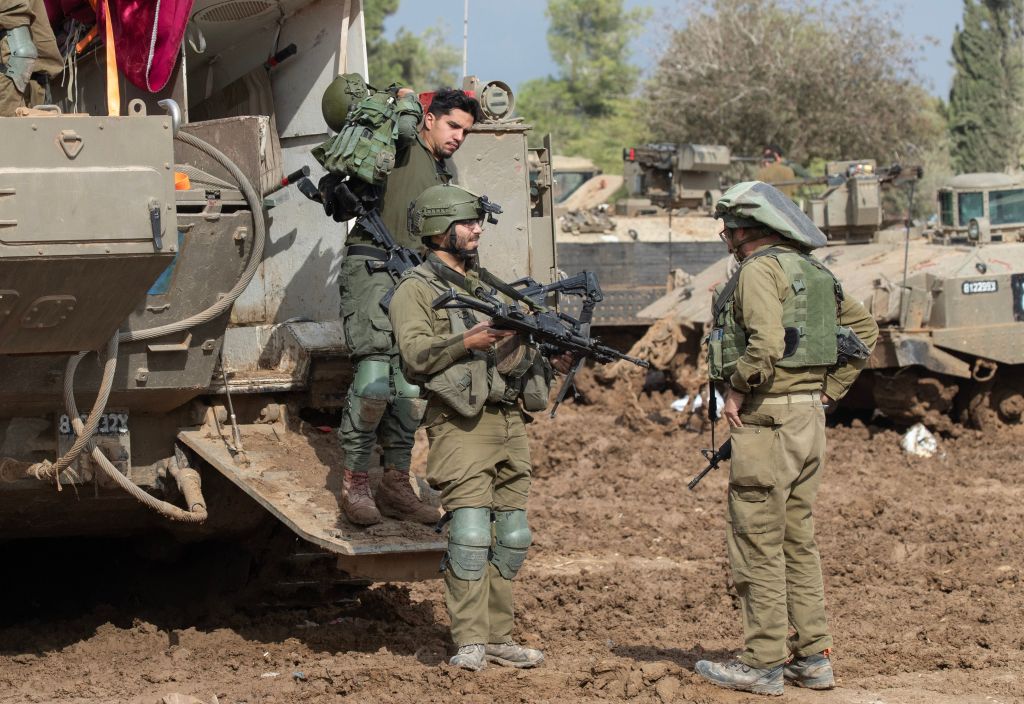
x=626 y=587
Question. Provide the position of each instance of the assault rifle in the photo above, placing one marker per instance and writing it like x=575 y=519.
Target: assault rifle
x=714 y=458
x=554 y=333
x=337 y=198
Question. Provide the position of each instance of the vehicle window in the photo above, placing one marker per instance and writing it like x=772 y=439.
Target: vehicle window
x=567 y=182
x=971 y=206
x=946 y=208
x=1005 y=207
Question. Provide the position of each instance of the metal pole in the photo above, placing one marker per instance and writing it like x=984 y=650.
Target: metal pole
x=465 y=38
x=906 y=249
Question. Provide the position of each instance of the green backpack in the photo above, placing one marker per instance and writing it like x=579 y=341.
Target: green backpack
x=364 y=148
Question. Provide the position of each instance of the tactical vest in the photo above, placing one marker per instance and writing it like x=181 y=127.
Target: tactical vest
x=484 y=377
x=809 y=316
x=365 y=147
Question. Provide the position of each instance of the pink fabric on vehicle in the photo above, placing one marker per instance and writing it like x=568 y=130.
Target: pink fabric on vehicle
x=147 y=34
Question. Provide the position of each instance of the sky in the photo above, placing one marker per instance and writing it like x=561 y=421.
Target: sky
x=507 y=39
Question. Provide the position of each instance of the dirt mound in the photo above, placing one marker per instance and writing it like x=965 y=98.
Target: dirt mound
x=626 y=587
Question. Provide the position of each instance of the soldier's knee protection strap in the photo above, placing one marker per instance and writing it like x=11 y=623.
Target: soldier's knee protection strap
x=469 y=541
x=512 y=539
x=371 y=391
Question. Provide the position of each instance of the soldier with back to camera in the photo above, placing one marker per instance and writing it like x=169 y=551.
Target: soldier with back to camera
x=480 y=382
x=789 y=344
x=382 y=405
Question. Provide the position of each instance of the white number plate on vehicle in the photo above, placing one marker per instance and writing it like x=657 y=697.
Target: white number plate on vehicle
x=111 y=423
x=989 y=286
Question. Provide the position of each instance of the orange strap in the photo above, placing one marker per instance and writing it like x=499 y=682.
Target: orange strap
x=113 y=88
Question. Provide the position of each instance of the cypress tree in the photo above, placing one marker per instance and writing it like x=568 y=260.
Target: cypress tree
x=985 y=119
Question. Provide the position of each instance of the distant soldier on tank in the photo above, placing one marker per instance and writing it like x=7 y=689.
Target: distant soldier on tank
x=788 y=343
x=382 y=405
x=480 y=381
x=28 y=55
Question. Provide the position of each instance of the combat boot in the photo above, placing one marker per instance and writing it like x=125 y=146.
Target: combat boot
x=469 y=657
x=742 y=677
x=356 y=499
x=396 y=499
x=511 y=654
x=810 y=671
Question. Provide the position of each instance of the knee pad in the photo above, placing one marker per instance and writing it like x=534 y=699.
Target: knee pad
x=371 y=390
x=409 y=407
x=469 y=541
x=512 y=539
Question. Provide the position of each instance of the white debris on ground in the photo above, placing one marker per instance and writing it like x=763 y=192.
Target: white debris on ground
x=681 y=405
x=919 y=441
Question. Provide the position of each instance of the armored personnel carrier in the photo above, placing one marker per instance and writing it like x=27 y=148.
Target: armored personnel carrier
x=156 y=231
x=949 y=301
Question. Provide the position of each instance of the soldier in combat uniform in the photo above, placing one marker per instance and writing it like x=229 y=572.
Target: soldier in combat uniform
x=781 y=328
x=382 y=405
x=479 y=381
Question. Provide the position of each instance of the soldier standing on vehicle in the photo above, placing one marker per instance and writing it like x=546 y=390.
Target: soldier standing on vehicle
x=28 y=55
x=382 y=405
x=789 y=344
x=480 y=381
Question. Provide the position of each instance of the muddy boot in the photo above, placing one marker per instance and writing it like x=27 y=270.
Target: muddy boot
x=396 y=499
x=356 y=499
x=469 y=657
x=511 y=654
x=810 y=671
x=742 y=677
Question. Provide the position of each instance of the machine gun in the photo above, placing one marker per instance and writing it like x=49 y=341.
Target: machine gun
x=714 y=458
x=555 y=333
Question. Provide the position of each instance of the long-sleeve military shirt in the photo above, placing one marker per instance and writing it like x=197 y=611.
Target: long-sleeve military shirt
x=416 y=169
x=425 y=339
x=762 y=288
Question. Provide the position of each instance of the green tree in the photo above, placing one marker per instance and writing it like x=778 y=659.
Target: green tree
x=589 y=108
x=424 y=61
x=830 y=81
x=985 y=121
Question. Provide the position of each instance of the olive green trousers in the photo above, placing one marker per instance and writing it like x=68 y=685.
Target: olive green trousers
x=777 y=461
x=476 y=463
x=368 y=335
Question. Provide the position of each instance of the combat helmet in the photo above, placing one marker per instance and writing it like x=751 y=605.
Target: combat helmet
x=439 y=207
x=344 y=91
x=758 y=204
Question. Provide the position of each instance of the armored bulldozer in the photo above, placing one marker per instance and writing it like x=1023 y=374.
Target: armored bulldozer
x=949 y=302
x=162 y=240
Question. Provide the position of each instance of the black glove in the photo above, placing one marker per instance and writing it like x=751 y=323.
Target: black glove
x=338 y=200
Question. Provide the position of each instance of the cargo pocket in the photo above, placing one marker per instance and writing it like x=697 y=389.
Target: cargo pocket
x=751 y=478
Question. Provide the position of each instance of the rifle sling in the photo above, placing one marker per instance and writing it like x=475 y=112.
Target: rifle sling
x=457 y=279
x=365 y=250
x=730 y=286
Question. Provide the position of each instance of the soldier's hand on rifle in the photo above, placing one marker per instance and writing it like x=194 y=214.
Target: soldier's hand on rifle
x=481 y=336
x=562 y=363
x=733 y=403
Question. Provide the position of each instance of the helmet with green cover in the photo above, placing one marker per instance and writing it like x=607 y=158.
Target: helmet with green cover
x=439 y=207
x=344 y=91
x=758 y=204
